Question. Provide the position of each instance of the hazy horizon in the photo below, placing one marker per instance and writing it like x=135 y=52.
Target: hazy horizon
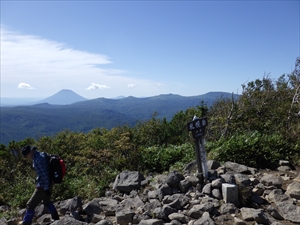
x=14 y=101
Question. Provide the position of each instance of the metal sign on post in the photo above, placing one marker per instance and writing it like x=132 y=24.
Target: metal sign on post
x=197 y=126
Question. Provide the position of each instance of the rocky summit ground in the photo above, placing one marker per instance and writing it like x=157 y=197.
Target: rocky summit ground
x=232 y=194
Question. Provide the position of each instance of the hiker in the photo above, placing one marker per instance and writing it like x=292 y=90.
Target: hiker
x=42 y=192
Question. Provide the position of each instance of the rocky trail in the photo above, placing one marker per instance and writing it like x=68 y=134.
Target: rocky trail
x=233 y=194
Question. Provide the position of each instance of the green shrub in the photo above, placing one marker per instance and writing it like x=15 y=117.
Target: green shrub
x=253 y=149
x=17 y=193
x=160 y=159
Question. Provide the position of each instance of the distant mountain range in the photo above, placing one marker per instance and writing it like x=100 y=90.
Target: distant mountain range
x=67 y=110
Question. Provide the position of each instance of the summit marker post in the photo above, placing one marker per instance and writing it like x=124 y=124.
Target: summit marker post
x=197 y=126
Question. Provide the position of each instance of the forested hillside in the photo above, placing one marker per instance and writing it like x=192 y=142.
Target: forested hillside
x=257 y=129
x=36 y=121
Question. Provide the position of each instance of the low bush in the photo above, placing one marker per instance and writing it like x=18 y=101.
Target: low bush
x=253 y=149
x=159 y=159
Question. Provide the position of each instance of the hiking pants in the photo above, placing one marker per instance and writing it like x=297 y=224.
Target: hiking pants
x=37 y=197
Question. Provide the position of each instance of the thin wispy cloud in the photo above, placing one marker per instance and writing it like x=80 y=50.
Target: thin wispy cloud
x=51 y=66
x=131 y=85
x=24 y=86
x=38 y=55
x=97 y=86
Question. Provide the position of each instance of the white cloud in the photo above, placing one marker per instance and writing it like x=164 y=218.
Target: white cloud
x=44 y=55
x=50 y=66
x=97 y=86
x=131 y=85
x=24 y=86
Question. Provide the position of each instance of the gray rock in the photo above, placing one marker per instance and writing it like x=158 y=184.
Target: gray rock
x=244 y=188
x=192 y=166
x=221 y=170
x=228 y=208
x=177 y=201
x=104 y=222
x=284 y=168
x=276 y=223
x=252 y=170
x=207 y=189
x=127 y=181
x=293 y=190
x=179 y=217
x=197 y=210
x=92 y=207
x=276 y=196
x=70 y=205
x=247 y=213
x=164 y=190
x=193 y=180
x=213 y=165
x=151 y=222
x=164 y=212
x=237 y=221
x=297 y=178
x=204 y=220
x=3 y=221
x=174 y=178
x=215 y=202
x=256 y=198
x=271 y=180
x=150 y=206
x=153 y=194
x=273 y=212
x=289 y=211
x=259 y=189
x=216 y=193
x=44 y=219
x=173 y=222
x=67 y=220
x=97 y=218
x=254 y=181
x=40 y=210
x=21 y=213
x=184 y=185
x=228 y=178
x=262 y=217
x=132 y=203
x=108 y=206
x=217 y=183
x=124 y=216
x=284 y=163
x=238 y=168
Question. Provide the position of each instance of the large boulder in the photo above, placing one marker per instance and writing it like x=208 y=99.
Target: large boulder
x=127 y=181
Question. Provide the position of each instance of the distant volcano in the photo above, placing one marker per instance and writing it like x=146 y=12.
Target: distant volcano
x=63 y=97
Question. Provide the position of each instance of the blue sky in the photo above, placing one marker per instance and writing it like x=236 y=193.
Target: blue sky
x=144 y=48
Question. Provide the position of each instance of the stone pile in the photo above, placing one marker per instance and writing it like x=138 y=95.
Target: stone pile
x=233 y=194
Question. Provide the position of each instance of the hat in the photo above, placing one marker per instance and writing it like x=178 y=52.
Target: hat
x=25 y=150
